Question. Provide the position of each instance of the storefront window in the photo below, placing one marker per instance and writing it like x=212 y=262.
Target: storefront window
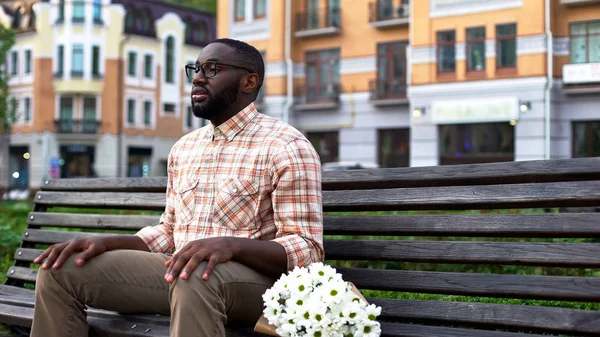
x=138 y=162
x=77 y=161
x=476 y=143
x=586 y=139
x=327 y=145
x=393 y=147
x=19 y=167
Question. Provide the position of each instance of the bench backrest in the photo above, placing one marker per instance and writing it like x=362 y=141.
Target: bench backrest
x=406 y=231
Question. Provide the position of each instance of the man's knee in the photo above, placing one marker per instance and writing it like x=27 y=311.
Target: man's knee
x=62 y=276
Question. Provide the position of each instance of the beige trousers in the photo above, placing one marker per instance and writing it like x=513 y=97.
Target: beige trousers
x=133 y=282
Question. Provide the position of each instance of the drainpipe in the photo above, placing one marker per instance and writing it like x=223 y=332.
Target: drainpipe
x=120 y=108
x=288 y=62
x=548 y=89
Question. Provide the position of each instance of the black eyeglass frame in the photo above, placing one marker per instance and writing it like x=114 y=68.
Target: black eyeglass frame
x=197 y=67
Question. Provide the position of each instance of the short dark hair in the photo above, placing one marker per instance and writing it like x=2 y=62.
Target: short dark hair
x=248 y=56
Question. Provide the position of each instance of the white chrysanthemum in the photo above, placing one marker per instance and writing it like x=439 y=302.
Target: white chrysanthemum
x=371 y=329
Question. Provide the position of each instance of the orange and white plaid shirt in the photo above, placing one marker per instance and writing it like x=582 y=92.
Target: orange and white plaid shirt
x=252 y=177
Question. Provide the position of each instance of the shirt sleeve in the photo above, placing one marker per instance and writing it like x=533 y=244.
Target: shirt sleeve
x=297 y=203
x=159 y=238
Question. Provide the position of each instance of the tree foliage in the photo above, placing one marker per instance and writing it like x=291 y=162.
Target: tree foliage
x=205 y=5
x=7 y=110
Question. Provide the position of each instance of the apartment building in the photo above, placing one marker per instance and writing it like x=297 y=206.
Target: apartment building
x=98 y=86
x=429 y=82
x=335 y=69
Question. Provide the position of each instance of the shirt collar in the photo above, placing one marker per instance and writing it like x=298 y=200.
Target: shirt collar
x=230 y=128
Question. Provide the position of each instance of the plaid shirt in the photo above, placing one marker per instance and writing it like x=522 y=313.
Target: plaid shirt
x=252 y=177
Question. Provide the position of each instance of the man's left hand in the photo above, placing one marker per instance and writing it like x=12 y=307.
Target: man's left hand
x=213 y=250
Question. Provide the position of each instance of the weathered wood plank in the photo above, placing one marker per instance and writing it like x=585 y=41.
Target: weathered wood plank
x=473 y=174
x=6 y=290
x=471 y=284
x=92 y=221
x=456 y=175
x=22 y=274
x=414 y=330
x=563 y=194
x=494 y=316
x=569 y=255
x=27 y=254
x=114 y=200
x=51 y=237
x=584 y=225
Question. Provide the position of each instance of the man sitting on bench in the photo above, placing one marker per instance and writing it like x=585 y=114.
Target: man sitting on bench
x=243 y=206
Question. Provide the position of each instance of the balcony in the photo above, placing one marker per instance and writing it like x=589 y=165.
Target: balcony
x=579 y=2
x=386 y=92
x=319 y=97
x=391 y=13
x=77 y=126
x=318 y=23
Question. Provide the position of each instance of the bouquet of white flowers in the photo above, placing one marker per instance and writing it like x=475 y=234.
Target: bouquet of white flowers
x=317 y=302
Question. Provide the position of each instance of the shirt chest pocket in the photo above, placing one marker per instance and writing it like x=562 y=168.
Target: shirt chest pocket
x=236 y=203
x=185 y=199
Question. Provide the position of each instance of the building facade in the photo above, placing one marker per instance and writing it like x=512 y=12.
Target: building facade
x=98 y=86
x=429 y=82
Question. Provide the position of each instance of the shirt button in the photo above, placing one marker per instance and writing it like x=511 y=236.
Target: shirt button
x=234 y=190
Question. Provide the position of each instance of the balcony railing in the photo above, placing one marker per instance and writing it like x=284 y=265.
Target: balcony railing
x=321 y=96
x=389 y=13
x=318 y=22
x=386 y=90
x=77 y=126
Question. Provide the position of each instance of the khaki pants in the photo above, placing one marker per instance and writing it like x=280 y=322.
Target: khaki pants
x=133 y=282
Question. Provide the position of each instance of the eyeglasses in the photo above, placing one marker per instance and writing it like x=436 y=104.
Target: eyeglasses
x=209 y=69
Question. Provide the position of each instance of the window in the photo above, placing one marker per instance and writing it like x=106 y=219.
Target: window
x=12 y=110
x=260 y=9
x=312 y=14
x=189 y=118
x=476 y=49
x=61 y=11
x=96 y=61
x=28 y=62
x=476 y=143
x=393 y=147
x=131 y=111
x=170 y=60
x=148 y=66
x=585 y=42
x=14 y=62
x=89 y=115
x=446 y=51
x=391 y=70
x=240 y=10
x=27 y=109
x=506 y=37
x=77 y=64
x=78 y=10
x=129 y=19
x=322 y=75
x=169 y=108
x=586 y=139
x=60 y=57
x=65 y=123
x=199 y=32
x=97 y=11
x=327 y=145
x=138 y=161
x=131 y=63
x=16 y=24
x=147 y=113
x=145 y=21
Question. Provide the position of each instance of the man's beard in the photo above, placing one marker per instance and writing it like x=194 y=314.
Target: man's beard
x=214 y=105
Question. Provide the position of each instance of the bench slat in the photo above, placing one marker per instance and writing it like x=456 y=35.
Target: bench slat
x=115 y=200
x=563 y=225
x=455 y=175
x=414 y=330
x=496 y=316
x=92 y=221
x=6 y=290
x=569 y=255
x=52 y=237
x=560 y=288
x=563 y=194
x=22 y=274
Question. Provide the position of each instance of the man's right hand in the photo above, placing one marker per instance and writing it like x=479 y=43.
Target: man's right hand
x=58 y=253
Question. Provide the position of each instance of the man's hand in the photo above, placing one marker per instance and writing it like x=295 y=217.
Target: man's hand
x=57 y=254
x=213 y=250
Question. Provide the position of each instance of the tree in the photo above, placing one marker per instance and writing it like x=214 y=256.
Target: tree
x=7 y=108
x=205 y=5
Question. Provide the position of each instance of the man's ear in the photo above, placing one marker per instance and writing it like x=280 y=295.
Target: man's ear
x=249 y=83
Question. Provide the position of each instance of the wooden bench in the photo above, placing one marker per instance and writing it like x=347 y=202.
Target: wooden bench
x=417 y=247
